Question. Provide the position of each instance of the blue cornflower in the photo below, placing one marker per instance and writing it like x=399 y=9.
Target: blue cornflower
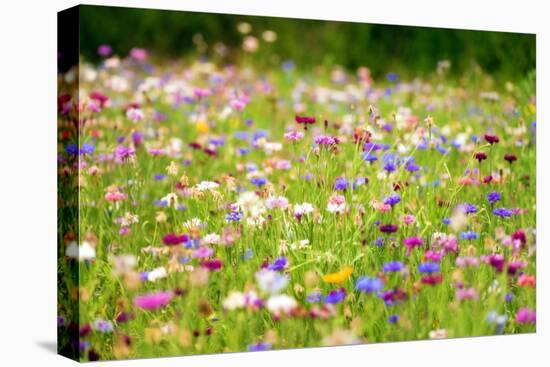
x=502 y=212
x=393 y=319
x=87 y=148
x=393 y=266
x=159 y=177
x=72 y=149
x=258 y=134
x=279 y=264
x=493 y=197
x=244 y=151
x=379 y=241
x=369 y=285
x=314 y=297
x=233 y=216
x=446 y=221
x=343 y=184
x=428 y=268
x=392 y=199
x=248 y=253
x=369 y=157
x=469 y=235
x=335 y=296
x=259 y=347
x=242 y=135
x=468 y=208
x=392 y=77
x=390 y=167
x=258 y=181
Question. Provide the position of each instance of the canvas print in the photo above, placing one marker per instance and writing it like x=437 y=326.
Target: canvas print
x=233 y=183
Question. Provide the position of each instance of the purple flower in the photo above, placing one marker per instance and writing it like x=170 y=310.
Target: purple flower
x=258 y=181
x=388 y=228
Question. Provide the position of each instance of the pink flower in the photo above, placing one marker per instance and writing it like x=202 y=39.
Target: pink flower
x=138 y=54
x=467 y=293
x=408 y=219
x=203 y=252
x=153 y=301
x=115 y=196
x=294 y=135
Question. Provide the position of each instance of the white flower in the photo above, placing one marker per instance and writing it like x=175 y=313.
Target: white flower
x=281 y=304
x=156 y=274
x=271 y=281
x=171 y=199
x=83 y=252
x=194 y=222
x=212 y=239
x=302 y=209
x=234 y=300
x=123 y=264
x=250 y=204
x=207 y=185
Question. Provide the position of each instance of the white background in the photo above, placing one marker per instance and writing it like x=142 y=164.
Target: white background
x=28 y=181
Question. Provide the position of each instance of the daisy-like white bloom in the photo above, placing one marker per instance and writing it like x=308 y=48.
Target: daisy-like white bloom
x=302 y=209
x=336 y=204
x=234 y=300
x=250 y=204
x=207 y=185
x=194 y=222
x=212 y=239
x=156 y=274
x=83 y=252
x=281 y=304
x=271 y=281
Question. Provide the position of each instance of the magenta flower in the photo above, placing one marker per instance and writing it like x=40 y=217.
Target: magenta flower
x=213 y=264
x=411 y=243
x=526 y=316
x=173 y=239
x=153 y=301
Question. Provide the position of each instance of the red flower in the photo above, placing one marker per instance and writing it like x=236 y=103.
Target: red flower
x=491 y=139
x=510 y=158
x=432 y=279
x=480 y=156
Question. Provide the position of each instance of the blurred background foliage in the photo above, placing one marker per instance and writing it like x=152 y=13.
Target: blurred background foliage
x=409 y=51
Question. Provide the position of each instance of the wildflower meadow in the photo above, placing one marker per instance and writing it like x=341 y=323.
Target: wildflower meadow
x=209 y=206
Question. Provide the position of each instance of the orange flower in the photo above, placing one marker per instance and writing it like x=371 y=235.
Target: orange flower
x=339 y=276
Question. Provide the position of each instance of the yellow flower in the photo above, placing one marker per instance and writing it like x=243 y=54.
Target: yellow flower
x=339 y=276
x=202 y=127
